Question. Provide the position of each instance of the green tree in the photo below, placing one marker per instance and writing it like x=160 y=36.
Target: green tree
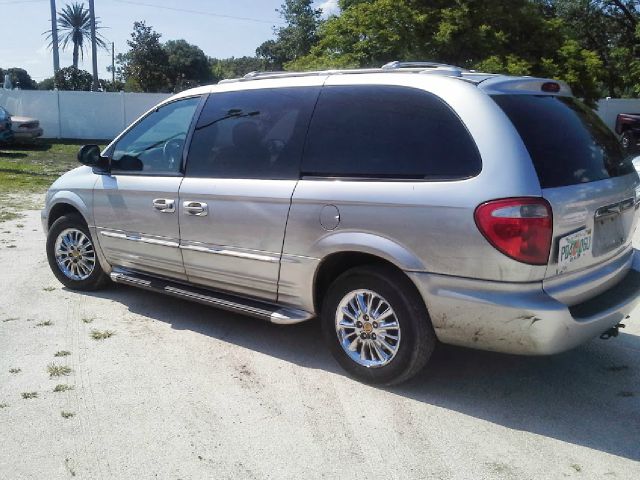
x=610 y=29
x=72 y=78
x=145 y=67
x=47 y=84
x=188 y=66
x=367 y=34
x=74 y=26
x=296 y=38
x=19 y=77
x=233 y=67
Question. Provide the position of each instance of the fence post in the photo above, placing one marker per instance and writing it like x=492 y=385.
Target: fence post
x=59 y=114
x=124 y=111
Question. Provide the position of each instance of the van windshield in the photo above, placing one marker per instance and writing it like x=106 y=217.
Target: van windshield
x=567 y=141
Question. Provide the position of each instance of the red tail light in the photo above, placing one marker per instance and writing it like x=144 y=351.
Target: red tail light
x=521 y=228
x=550 y=87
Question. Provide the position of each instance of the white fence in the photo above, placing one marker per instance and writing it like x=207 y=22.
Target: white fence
x=608 y=109
x=79 y=115
x=101 y=116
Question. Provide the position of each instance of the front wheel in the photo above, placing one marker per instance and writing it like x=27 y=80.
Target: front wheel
x=72 y=255
x=376 y=325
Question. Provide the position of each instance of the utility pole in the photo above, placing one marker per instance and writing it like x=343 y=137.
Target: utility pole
x=54 y=37
x=113 y=64
x=94 y=53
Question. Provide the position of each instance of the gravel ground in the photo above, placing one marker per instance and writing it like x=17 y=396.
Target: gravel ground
x=182 y=391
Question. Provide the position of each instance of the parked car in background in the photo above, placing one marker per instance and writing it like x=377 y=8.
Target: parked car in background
x=23 y=128
x=628 y=127
x=402 y=206
x=6 y=135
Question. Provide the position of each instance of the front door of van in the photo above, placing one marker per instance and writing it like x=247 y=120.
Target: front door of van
x=242 y=169
x=136 y=206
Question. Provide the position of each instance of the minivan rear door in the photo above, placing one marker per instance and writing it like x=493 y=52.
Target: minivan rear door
x=591 y=186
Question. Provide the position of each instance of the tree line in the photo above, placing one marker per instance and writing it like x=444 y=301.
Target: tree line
x=594 y=45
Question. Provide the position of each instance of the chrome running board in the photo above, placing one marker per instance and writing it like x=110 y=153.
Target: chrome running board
x=255 y=308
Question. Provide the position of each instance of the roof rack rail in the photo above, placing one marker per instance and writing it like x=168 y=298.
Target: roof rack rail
x=257 y=74
x=397 y=64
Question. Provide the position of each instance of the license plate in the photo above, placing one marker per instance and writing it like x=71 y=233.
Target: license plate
x=572 y=247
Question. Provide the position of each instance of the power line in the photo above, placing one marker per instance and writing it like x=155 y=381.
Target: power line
x=199 y=12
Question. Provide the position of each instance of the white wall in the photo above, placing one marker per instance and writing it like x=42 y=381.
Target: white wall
x=101 y=116
x=79 y=115
x=609 y=109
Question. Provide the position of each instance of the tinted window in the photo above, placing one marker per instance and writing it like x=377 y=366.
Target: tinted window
x=154 y=145
x=386 y=131
x=251 y=134
x=567 y=141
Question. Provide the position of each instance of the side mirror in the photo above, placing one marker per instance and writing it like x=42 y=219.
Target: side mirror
x=89 y=155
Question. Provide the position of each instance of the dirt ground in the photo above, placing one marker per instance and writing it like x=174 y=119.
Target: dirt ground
x=182 y=391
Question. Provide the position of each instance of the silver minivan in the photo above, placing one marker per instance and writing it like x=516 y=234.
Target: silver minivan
x=401 y=206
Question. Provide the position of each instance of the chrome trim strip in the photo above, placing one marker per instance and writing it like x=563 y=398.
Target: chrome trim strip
x=138 y=238
x=289 y=258
x=231 y=253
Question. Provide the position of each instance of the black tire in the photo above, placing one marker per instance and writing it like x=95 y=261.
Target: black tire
x=97 y=279
x=417 y=339
x=628 y=142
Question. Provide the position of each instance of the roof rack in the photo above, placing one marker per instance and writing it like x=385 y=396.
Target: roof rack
x=397 y=64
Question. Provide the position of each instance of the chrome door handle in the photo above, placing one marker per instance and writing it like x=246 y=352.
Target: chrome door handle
x=165 y=205
x=198 y=209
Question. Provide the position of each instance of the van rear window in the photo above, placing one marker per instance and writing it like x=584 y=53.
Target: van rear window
x=567 y=141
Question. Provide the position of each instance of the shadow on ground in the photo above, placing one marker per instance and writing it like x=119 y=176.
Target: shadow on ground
x=33 y=146
x=588 y=397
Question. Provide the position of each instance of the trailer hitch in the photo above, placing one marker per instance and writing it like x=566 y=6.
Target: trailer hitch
x=612 y=332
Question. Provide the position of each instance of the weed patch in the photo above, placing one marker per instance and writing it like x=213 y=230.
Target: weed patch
x=58 y=370
x=101 y=335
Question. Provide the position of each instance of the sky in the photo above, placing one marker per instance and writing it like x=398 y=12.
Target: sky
x=221 y=28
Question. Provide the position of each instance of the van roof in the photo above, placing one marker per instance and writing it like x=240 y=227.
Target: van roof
x=490 y=83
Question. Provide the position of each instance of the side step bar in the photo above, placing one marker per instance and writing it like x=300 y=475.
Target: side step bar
x=254 y=308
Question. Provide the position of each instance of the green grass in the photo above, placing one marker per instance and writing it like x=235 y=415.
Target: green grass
x=28 y=395
x=46 y=323
x=62 y=353
x=15 y=370
x=32 y=168
x=66 y=414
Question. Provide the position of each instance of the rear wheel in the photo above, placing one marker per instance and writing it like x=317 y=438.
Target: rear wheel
x=376 y=326
x=72 y=255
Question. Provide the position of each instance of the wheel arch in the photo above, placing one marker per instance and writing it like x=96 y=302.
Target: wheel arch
x=335 y=264
x=63 y=203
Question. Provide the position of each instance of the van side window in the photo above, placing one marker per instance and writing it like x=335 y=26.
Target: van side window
x=154 y=145
x=251 y=134
x=387 y=132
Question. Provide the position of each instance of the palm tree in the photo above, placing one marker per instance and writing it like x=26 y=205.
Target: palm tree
x=74 y=26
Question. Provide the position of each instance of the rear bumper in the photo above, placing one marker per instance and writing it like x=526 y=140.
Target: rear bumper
x=522 y=318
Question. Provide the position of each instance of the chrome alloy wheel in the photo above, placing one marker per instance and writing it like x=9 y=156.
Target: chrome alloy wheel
x=75 y=254
x=367 y=328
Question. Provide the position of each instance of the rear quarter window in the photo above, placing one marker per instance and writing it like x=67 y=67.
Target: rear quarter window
x=387 y=132
x=567 y=141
